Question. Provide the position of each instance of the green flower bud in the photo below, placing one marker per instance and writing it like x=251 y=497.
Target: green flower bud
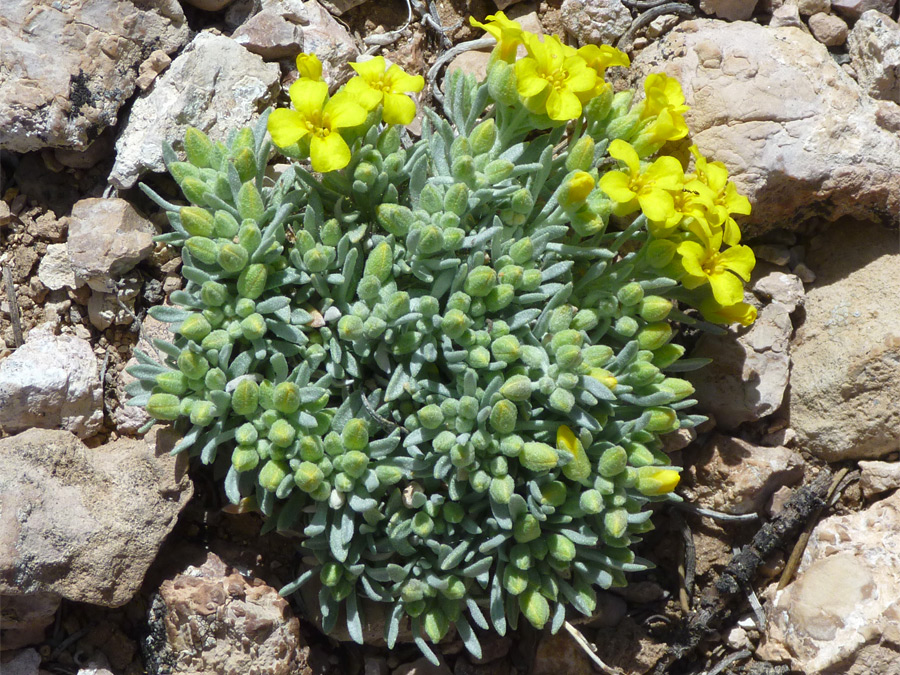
x=172 y=382
x=355 y=463
x=453 y=512
x=531 y=279
x=454 y=323
x=355 y=435
x=226 y=226
x=630 y=294
x=202 y=413
x=444 y=441
x=597 y=355
x=612 y=462
x=585 y=320
x=182 y=170
x=164 y=406
x=286 y=398
x=316 y=259
x=463 y=168
x=626 y=326
x=666 y=355
x=511 y=275
x=233 y=257
x=568 y=357
x=311 y=449
x=250 y=236
x=498 y=171
x=343 y=482
x=561 y=547
x=480 y=281
x=662 y=420
x=249 y=202
x=373 y=327
x=199 y=149
x=511 y=446
x=483 y=137
x=654 y=335
x=517 y=388
x=380 y=262
x=195 y=190
x=244 y=458
x=422 y=524
x=435 y=623
x=515 y=581
x=591 y=502
x=615 y=522
x=431 y=241
x=271 y=475
x=192 y=365
x=562 y=400
x=503 y=416
x=333 y=444
x=350 y=327
x=581 y=155
x=245 y=397
x=398 y=304
x=431 y=416
x=479 y=358
x=282 y=433
x=331 y=573
x=522 y=251
x=575 y=190
x=500 y=297
x=456 y=588
x=501 y=81
x=252 y=281
x=395 y=219
x=203 y=249
x=456 y=200
x=522 y=203
x=502 y=489
x=554 y=493
x=538 y=457
x=213 y=293
x=197 y=221
x=640 y=455
x=244 y=307
x=431 y=199
x=655 y=308
x=195 y=327
x=253 y=327
x=246 y=434
x=388 y=475
x=535 y=607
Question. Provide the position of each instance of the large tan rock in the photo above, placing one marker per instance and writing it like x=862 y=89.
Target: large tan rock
x=798 y=135
x=845 y=381
x=842 y=614
x=68 y=67
x=81 y=523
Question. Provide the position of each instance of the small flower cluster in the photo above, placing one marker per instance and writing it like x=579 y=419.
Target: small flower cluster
x=448 y=365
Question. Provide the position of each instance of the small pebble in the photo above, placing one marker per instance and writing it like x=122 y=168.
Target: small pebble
x=807 y=276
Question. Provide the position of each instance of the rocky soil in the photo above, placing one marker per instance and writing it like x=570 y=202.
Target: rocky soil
x=117 y=558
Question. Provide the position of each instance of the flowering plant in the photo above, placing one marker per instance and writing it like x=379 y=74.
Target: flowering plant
x=447 y=365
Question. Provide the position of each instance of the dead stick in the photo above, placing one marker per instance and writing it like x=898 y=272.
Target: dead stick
x=13 y=306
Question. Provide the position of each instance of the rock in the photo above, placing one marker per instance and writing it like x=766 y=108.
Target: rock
x=338 y=7
x=780 y=287
x=735 y=476
x=55 y=271
x=730 y=10
x=828 y=29
x=129 y=418
x=472 y=62
x=878 y=477
x=154 y=64
x=287 y=27
x=215 y=85
x=806 y=275
x=595 y=21
x=107 y=238
x=661 y=25
x=422 y=666
x=749 y=371
x=874 y=45
x=787 y=15
x=854 y=9
x=216 y=621
x=106 y=309
x=561 y=654
x=101 y=149
x=842 y=614
x=68 y=68
x=86 y=524
x=25 y=662
x=375 y=666
x=26 y=617
x=845 y=381
x=792 y=128
x=626 y=646
x=51 y=382
x=209 y=5
x=810 y=7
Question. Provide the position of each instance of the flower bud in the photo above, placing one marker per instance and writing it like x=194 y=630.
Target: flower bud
x=398 y=304
x=172 y=382
x=626 y=326
x=503 y=416
x=195 y=327
x=456 y=200
x=581 y=155
x=517 y=388
x=575 y=190
x=501 y=81
x=454 y=323
x=355 y=435
x=515 y=580
x=202 y=413
x=197 y=221
x=395 y=219
x=506 y=348
x=655 y=308
x=615 y=522
x=245 y=397
x=354 y=463
x=203 y=249
x=579 y=468
x=233 y=257
x=498 y=171
x=535 y=607
x=662 y=420
x=164 y=406
x=630 y=294
x=373 y=327
x=512 y=446
x=502 y=489
x=246 y=434
x=568 y=357
x=286 y=398
x=597 y=355
x=591 y=502
x=666 y=355
x=422 y=524
x=431 y=241
x=585 y=320
x=538 y=457
x=244 y=458
x=653 y=481
x=388 y=475
x=480 y=281
x=380 y=261
x=431 y=416
x=654 y=335
x=282 y=433
x=249 y=202
x=332 y=573
x=500 y=297
x=199 y=149
x=253 y=327
x=483 y=137
x=478 y=358
x=680 y=389
x=192 y=365
x=453 y=512
x=271 y=475
x=561 y=547
x=562 y=400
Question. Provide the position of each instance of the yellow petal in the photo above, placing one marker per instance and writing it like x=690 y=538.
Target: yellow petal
x=666 y=173
x=656 y=204
x=309 y=66
x=398 y=109
x=528 y=80
x=370 y=70
x=308 y=96
x=286 y=127
x=617 y=185
x=363 y=93
x=740 y=260
x=620 y=150
x=344 y=111
x=402 y=82
x=727 y=289
x=329 y=152
x=563 y=105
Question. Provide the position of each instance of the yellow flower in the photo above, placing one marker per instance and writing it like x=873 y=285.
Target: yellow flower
x=599 y=59
x=552 y=77
x=653 y=481
x=309 y=67
x=650 y=190
x=664 y=101
x=706 y=263
x=725 y=197
x=740 y=312
x=376 y=83
x=576 y=189
x=580 y=466
x=694 y=201
x=317 y=118
x=506 y=32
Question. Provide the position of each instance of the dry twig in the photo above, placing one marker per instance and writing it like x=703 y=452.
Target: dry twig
x=13 y=306
x=588 y=648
